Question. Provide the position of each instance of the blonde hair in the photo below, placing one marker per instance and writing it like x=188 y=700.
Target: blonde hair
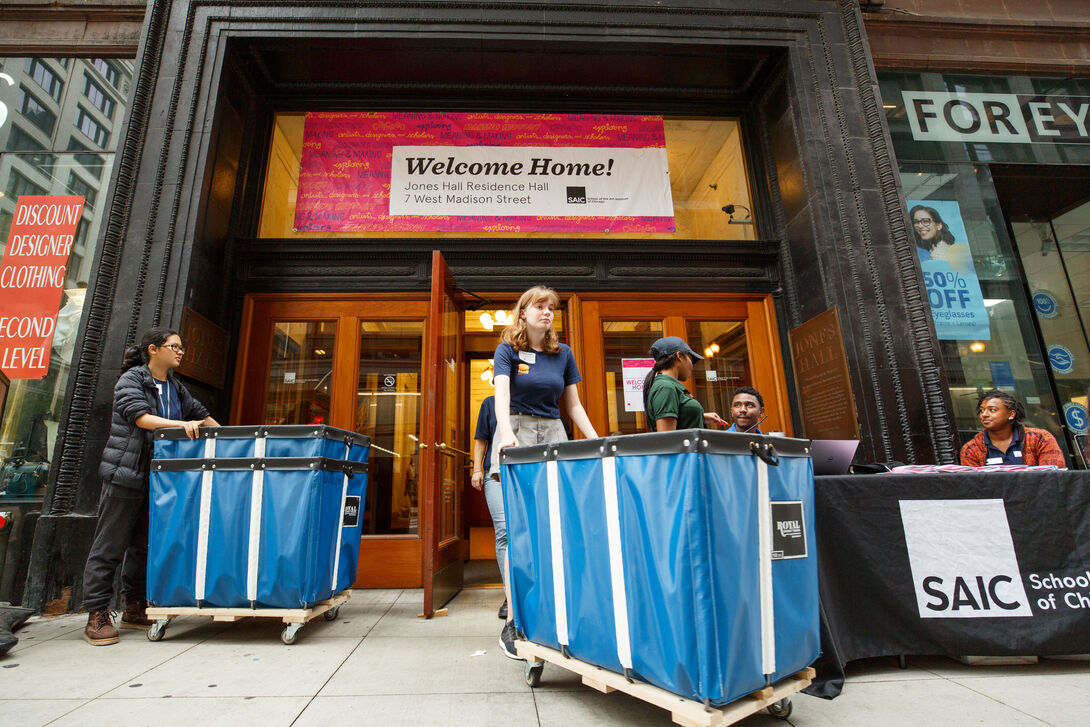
x=515 y=334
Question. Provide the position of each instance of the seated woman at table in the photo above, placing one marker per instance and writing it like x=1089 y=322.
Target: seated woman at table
x=1004 y=439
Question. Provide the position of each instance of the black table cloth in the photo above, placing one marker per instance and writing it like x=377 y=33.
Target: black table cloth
x=993 y=564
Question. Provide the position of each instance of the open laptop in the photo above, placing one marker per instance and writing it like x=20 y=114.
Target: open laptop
x=832 y=456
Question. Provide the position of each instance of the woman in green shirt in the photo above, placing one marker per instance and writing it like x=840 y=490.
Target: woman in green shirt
x=667 y=404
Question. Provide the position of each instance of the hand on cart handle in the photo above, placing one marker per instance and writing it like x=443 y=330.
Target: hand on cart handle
x=714 y=418
x=192 y=428
x=507 y=441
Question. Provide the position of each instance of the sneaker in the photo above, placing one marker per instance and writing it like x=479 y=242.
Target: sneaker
x=100 y=629
x=507 y=641
x=503 y=610
x=135 y=616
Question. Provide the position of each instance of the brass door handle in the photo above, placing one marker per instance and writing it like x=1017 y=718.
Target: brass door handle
x=447 y=448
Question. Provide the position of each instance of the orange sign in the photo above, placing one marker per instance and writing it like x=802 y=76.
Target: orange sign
x=31 y=281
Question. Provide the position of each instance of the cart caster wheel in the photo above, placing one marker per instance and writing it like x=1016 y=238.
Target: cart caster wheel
x=157 y=630
x=332 y=613
x=781 y=709
x=290 y=633
x=533 y=673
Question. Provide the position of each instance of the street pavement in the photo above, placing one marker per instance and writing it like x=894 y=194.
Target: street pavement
x=378 y=664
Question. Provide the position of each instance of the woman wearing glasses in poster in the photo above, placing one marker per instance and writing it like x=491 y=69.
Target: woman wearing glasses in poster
x=935 y=241
x=535 y=377
x=146 y=397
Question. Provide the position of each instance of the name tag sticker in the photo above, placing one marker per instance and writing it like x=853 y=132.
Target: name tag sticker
x=1017 y=453
x=528 y=356
x=994 y=460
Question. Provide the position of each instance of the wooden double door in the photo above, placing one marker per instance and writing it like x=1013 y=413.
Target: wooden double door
x=397 y=367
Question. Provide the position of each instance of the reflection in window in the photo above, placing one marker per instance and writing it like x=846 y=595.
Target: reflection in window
x=626 y=340
x=107 y=69
x=35 y=111
x=21 y=186
x=725 y=366
x=45 y=78
x=83 y=189
x=98 y=97
x=300 y=373
x=91 y=128
x=388 y=411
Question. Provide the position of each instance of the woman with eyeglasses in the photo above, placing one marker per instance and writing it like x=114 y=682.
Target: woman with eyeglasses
x=933 y=238
x=146 y=397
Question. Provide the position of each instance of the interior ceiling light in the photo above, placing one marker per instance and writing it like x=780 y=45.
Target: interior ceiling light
x=714 y=347
x=976 y=347
x=486 y=321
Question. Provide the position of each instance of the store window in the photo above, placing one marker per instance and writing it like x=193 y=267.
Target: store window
x=1008 y=283
x=39 y=156
x=704 y=161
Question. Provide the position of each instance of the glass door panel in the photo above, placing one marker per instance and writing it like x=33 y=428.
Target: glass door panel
x=300 y=372
x=725 y=366
x=625 y=340
x=388 y=411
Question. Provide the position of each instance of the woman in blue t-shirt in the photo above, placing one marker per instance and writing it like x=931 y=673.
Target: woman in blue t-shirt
x=535 y=376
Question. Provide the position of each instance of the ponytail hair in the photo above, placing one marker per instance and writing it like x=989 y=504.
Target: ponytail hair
x=137 y=355
x=663 y=362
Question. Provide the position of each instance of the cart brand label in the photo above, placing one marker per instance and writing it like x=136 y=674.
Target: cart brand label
x=788 y=530
x=351 y=511
x=962 y=559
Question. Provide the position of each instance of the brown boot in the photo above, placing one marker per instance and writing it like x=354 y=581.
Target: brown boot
x=100 y=629
x=135 y=615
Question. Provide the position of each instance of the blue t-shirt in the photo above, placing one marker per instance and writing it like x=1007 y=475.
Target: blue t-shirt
x=486 y=428
x=169 y=406
x=734 y=428
x=537 y=379
x=1013 y=455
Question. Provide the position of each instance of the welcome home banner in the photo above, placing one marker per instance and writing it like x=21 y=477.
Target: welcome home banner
x=477 y=172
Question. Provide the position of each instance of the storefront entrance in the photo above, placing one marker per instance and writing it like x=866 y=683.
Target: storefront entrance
x=410 y=372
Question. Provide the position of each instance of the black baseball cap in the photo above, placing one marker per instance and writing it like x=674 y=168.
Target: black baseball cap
x=670 y=345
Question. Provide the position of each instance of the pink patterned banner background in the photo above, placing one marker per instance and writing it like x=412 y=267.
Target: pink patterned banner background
x=477 y=172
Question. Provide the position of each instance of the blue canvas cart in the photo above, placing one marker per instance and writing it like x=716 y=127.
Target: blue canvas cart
x=254 y=521
x=679 y=562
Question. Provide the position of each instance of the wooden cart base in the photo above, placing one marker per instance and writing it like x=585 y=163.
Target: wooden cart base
x=295 y=618
x=683 y=711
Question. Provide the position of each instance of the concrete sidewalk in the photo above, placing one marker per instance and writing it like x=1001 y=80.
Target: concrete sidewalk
x=378 y=664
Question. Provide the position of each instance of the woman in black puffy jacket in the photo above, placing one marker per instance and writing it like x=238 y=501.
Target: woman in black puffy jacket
x=146 y=397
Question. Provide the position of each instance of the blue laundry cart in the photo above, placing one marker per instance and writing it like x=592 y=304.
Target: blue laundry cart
x=684 y=560
x=255 y=532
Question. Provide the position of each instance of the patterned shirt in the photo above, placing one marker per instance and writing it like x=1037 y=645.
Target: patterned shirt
x=1038 y=448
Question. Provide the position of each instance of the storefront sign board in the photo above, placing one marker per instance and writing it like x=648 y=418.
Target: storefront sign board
x=32 y=277
x=479 y=172
x=633 y=372
x=821 y=375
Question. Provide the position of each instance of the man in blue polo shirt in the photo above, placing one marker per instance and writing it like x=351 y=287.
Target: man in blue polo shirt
x=747 y=409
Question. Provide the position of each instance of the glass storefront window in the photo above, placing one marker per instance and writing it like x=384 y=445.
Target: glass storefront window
x=706 y=164
x=1004 y=354
x=725 y=366
x=39 y=106
x=388 y=411
x=1055 y=255
x=625 y=340
x=300 y=372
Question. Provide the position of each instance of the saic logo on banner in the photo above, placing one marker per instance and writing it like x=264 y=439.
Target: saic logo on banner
x=788 y=530
x=962 y=559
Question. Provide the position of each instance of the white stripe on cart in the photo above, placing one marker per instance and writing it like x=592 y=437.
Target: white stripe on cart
x=616 y=561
